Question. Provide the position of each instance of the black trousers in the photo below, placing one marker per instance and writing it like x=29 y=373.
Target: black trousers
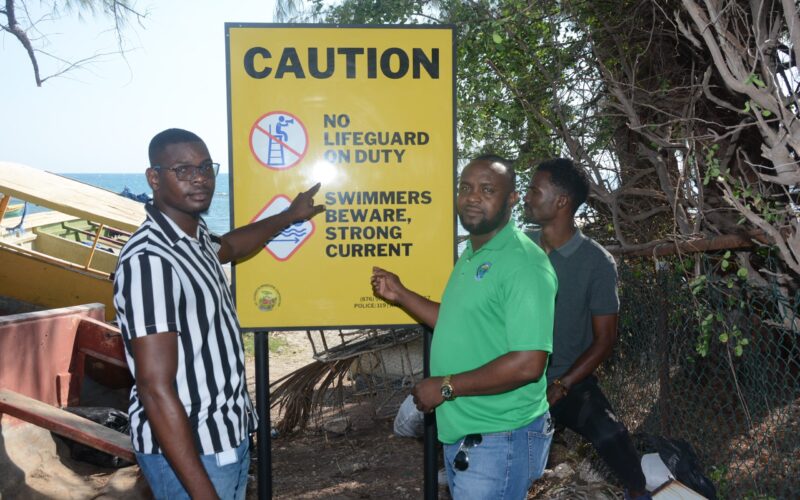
x=586 y=411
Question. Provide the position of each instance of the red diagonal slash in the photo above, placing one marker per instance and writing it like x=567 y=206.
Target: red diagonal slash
x=278 y=141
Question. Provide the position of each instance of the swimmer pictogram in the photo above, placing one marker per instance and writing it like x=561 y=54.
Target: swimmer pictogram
x=284 y=244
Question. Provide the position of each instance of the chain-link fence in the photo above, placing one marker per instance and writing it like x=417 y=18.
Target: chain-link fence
x=714 y=361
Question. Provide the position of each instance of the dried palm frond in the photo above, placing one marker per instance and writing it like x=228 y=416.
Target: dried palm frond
x=581 y=482
x=299 y=393
x=585 y=491
x=306 y=392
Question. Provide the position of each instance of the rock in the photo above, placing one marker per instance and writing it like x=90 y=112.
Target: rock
x=339 y=425
x=560 y=471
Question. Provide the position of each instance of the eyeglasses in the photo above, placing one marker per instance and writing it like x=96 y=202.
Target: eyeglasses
x=189 y=172
x=461 y=461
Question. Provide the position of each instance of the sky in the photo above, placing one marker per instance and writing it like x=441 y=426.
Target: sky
x=101 y=119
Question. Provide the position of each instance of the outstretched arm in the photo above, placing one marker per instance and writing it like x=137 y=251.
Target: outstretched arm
x=387 y=286
x=156 y=362
x=246 y=240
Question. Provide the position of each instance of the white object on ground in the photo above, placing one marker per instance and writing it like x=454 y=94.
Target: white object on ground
x=655 y=471
x=409 y=422
x=441 y=478
x=676 y=490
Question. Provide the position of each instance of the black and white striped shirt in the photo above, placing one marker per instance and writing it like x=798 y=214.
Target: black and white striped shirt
x=167 y=281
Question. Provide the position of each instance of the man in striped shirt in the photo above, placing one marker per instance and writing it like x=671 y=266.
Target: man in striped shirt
x=189 y=407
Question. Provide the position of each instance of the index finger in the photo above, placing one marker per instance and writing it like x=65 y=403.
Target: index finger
x=314 y=189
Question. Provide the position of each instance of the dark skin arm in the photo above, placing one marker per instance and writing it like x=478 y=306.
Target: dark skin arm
x=245 y=241
x=502 y=374
x=387 y=286
x=156 y=361
x=604 y=331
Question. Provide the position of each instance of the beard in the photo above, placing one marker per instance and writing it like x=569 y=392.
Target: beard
x=527 y=216
x=486 y=225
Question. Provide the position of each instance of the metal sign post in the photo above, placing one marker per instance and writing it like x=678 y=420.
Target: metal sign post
x=430 y=465
x=264 y=433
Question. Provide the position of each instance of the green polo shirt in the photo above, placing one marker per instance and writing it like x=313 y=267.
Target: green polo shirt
x=498 y=300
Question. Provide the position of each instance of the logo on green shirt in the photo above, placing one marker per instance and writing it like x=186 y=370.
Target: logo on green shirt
x=482 y=270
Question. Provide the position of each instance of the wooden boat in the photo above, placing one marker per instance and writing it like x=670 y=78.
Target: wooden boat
x=14 y=210
x=64 y=256
x=51 y=360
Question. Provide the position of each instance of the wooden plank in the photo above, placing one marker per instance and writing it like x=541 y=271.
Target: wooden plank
x=33 y=254
x=4 y=205
x=675 y=490
x=32 y=277
x=70 y=196
x=38 y=219
x=66 y=424
x=101 y=340
x=105 y=359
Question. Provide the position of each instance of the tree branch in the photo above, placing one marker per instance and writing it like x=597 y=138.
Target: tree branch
x=14 y=28
x=663 y=248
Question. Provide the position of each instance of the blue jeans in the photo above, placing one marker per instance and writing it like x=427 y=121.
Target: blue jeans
x=229 y=480
x=504 y=465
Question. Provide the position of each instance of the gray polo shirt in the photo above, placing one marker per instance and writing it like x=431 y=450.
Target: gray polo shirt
x=587 y=286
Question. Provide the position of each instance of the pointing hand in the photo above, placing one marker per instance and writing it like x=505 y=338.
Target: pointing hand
x=303 y=207
x=386 y=285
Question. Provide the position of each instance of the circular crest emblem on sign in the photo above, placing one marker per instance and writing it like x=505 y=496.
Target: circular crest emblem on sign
x=267 y=298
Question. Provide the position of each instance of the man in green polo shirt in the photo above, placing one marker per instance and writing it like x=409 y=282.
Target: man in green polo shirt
x=492 y=337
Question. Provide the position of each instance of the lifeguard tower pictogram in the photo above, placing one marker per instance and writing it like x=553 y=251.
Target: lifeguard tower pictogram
x=278 y=140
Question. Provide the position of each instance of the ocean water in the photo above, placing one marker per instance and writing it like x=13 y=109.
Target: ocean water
x=217 y=218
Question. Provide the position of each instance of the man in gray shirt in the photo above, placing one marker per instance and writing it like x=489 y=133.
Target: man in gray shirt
x=585 y=328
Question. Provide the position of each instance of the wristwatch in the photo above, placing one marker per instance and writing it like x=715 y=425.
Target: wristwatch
x=447 y=389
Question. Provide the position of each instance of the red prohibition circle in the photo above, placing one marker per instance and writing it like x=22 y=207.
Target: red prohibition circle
x=257 y=132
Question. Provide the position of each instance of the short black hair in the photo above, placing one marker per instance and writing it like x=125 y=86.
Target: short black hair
x=509 y=164
x=569 y=177
x=170 y=136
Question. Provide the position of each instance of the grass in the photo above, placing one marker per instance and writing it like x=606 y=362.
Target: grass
x=275 y=344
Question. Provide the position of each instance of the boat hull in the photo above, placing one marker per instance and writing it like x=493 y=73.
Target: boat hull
x=49 y=282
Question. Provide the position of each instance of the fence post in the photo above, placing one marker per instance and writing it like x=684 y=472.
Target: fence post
x=663 y=348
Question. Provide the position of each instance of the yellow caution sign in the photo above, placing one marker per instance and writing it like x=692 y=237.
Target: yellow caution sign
x=368 y=112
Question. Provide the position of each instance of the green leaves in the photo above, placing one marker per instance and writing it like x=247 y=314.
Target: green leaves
x=725 y=264
x=755 y=80
x=751 y=105
x=698 y=284
x=713 y=169
x=718 y=306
